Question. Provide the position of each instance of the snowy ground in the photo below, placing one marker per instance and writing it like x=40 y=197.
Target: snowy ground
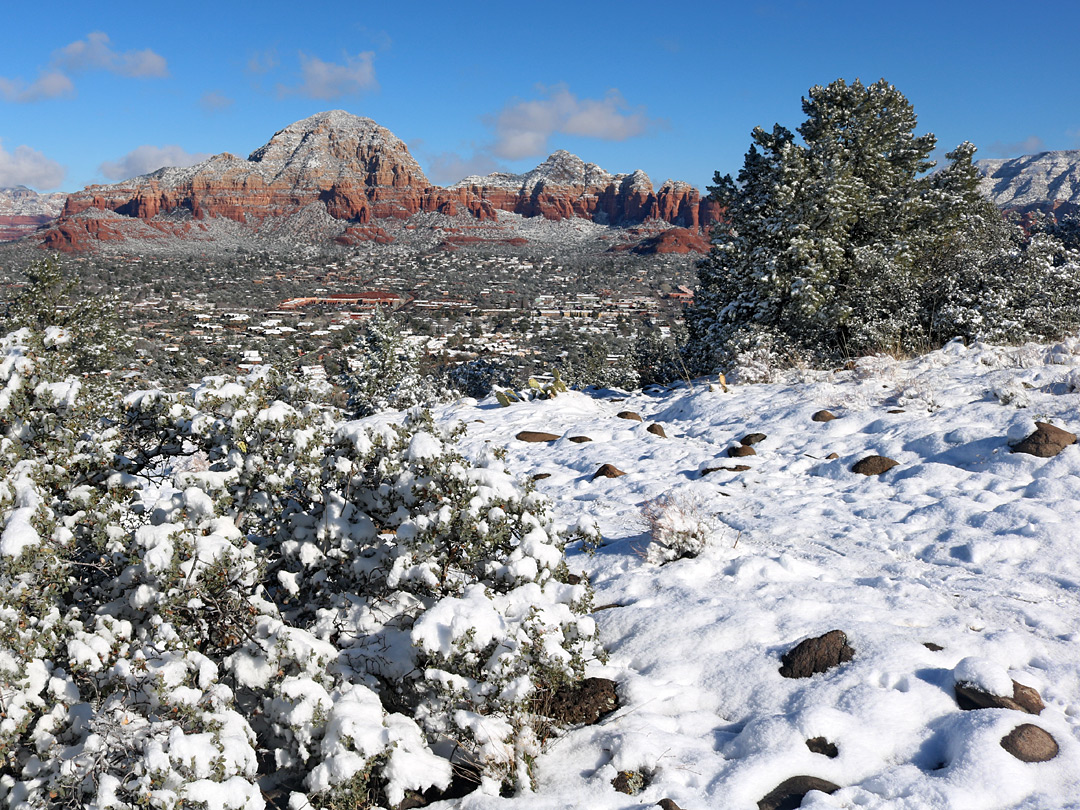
x=963 y=545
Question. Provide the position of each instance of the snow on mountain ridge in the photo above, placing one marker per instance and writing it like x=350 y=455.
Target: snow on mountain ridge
x=560 y=168
x=1032 y=180
x=23 y=201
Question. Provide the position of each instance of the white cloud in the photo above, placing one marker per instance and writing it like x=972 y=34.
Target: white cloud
x=330 y=80
x=92 y=53
x=1031 y=145
x=96 y=53
x=145 y=159
x=29 y=167
x=51 y=84
x=262 y=61
x=447 y=168
x=214 y=101
x=523 y=128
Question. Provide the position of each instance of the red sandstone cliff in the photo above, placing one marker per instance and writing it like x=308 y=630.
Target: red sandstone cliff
x=358 y=173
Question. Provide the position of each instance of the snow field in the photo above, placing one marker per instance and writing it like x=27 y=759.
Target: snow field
x=963 y=545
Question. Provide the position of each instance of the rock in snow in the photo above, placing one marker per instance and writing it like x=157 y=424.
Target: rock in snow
x=815 y=655
x=1046 y=442
x=1029 y=743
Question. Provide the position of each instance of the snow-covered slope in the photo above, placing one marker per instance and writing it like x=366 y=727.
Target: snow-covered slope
x=964 y=546
x=561 y=168
x=20 y=200
x=1033 y=181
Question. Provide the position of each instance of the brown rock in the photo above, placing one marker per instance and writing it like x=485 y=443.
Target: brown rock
x=540 y=476
x=831 y=456
x=656 y=430
x=816 y=655
x=1024 y=699
x=536 y=436
x=932 y=647
x=582 y=703
x=819 y=745
x=607 y=471
x=580 y=439
x=629 y=415
x=668 y=804
x=630 y=782
x=789 y=794
x=741 y=450
x=822 y=416
x=1047 y=441
x=733 y=468
x=1029 y=743
x=873 y=465
x=752 y=438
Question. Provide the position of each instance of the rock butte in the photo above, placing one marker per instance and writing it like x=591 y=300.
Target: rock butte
x=361 y=173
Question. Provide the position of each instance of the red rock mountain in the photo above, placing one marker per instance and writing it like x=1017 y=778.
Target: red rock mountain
x=22 y=211
x=347 y=174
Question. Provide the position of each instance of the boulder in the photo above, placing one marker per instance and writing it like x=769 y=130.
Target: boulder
x=580 y=439
x=1023 y=699
x=1029 y=743
x=818 y=654
x=752 y=438
x=629 y=415
x=630 y=782
x=740 y=450
x=536 y=436
x=873 y=465
x=819 y=745
x=668 y=804
x=1046 y=442
x=789 y=794
x=582 y=703
x=607 y=471
x=656 y=430
x=822 y=416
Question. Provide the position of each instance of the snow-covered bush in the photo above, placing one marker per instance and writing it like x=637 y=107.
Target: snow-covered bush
x=211 y=593
x=679 y=526
x=382 y=370
x=479 y=377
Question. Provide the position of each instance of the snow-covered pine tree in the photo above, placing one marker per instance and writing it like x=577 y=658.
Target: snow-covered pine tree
x=837 y=245
x=382 y=369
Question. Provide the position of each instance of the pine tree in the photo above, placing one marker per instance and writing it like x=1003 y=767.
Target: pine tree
x=382 y=370
x=837 y=245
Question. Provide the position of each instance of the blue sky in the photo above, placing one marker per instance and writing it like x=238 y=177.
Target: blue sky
x=94 y=93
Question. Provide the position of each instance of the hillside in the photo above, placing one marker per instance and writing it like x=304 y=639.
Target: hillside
x=961 y=558
x=1046 y=181
x=846 y=588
